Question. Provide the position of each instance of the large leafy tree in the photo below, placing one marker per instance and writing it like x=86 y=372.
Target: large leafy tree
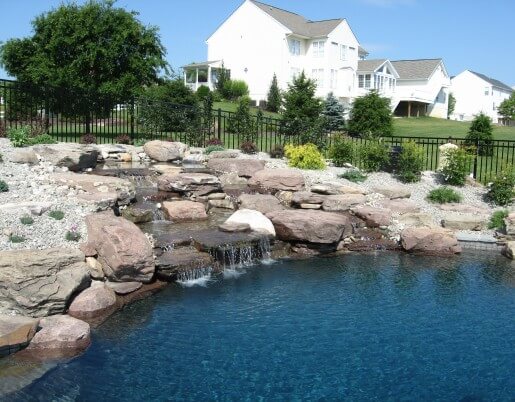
x=273 y=100
x=507 y=108
x=95 y=49
x=371 y=116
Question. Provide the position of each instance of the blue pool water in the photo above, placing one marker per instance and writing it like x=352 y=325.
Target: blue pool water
x=360 y=327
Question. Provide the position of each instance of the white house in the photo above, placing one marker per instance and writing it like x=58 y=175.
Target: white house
x=476 y=93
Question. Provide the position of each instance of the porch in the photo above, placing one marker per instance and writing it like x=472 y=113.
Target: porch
x=202 y=74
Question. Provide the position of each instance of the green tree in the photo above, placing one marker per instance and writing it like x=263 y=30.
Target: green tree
x=371 y=116
x=223 y=82
x=451 y=105
x=333 y=113
x=301 y=107
x=273 y=99
x=98 y=50
x=480 y=135
x=242 y=122
x=507 y=108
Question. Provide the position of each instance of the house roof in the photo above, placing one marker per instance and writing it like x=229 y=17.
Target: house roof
x=201 y=64
x=495 y=83
x=420 y=69
x=297 y=23
x=370 y=65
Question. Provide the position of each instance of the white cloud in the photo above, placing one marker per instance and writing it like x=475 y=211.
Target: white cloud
x=388 y=3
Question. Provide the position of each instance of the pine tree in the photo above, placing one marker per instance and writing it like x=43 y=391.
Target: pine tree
x=371 y=116
x=223 y=81
x=451 y=105
x=242 y=122
x=481 y=135
x=273 y=102
x=333 y=113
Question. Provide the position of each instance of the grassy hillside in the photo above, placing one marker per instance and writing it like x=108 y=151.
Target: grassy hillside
x=232 y=106
x=441 y=128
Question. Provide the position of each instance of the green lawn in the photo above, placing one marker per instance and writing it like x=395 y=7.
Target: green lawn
x=441 y=128
x=232 y=106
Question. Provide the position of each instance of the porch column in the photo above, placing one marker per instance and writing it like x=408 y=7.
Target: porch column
x=196 y=83
x=209 y=77
x=409 y=108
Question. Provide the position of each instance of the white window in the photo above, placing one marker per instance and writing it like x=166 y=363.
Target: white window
x=494 y=107
x=318 y=76
x=318 y=48
x=334 y=79
x=361 y=81
x=343 y=52
x=367 y=80
x=294 y=47
x=294 y=73
x=487 y=91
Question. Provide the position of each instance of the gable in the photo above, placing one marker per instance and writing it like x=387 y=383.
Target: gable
x=421 y=69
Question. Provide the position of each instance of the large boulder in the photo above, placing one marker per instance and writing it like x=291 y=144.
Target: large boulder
x=335 y=188
x=373 y=217
x=16 y=331
x=97 y=301
x=182 y=211
x=123 y=249
x=24 y=155
x=75 y=157
x=400 y=206
x=393 y=191
x=263 y=203
x=255 y=219
x=309 y=226
x=464 y=221
x=165 y=151
x=38 y=283
x=276 y=180
x=60 y=335
x=171 y=264
x=242 y=167
x=190 y=183
x=509 y=249
x=509 y=221
x=342 y=202
x=307 y=197
x=430 y=241
x=138 y=215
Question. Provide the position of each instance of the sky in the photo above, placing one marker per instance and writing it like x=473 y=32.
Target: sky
x=468 y=34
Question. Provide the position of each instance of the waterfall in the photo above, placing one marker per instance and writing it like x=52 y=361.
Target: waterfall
x=158 y=215
x=195 y=277
x=234 y=257
x=264 y=249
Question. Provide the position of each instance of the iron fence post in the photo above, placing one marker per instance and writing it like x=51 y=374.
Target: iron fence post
x=219 y=123
x=475 y=159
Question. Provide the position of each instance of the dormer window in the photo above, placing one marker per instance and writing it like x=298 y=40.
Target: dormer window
x=318 y=48
x=294 y=47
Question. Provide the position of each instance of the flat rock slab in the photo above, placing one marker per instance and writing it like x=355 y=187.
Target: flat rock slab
x=167 y=169
x=309 y=226
x=242 y=167
x=75 y=157
x=29 y=207
x=256 y=220
x=96 y=301
x=138 y=215
x=464 y=221
x=393 y=191
x=171 y=263
x=38 y=283
x=234 y=227
x=263 y=203
x=336 y=188
x=213 y=239
x=24 y=156
x=416 y=219
x=464 y=209
x=195 y=183
x=277 y=180
x=400 y=206
x=233 y=153
x=165 y=151
x=184 y=211
x=307 y=197
x=123 y=288
x=342 y=202
x=16 y=331
x=374 y=217
x=437 y=241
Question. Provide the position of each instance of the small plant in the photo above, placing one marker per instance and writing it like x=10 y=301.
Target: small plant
x=354 y=176
x=456 y=169
x=27 y=220
x=497 y=220
x=16 y=238
x=213 y=148
x=56 y=214
x=411 y=162
x=214 y=141
x=375 y=156
x=42 y=139
x=88 y=139
x=123 y=139
x=342 y=152
x=248 y=147
x=443 y=195
x=19 y=136
x=501 y=190
x=140 y=142
x=277 y=152
x=73 y=234
x=304 y=157
x=1 y=158
x=4 y=187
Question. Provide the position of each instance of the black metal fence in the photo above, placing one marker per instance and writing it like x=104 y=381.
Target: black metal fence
x=68 y=115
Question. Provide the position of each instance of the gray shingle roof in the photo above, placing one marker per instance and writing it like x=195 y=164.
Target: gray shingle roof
x=298 y=24
x=420 y=69
x=495 y=83
x=201 y=64
x=370 y=65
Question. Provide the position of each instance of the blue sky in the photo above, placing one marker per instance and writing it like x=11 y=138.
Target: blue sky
x=473 y=34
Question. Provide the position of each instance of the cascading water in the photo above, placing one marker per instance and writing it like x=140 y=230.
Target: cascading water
x=264 y=249
x=195 y=277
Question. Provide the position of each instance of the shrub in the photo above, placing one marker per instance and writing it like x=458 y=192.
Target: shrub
x=375 y=156
x=277 y=152
x=333 y=113
x=88 y=139
x=497 y=220
x=27 y=220
x=42 y=139
x=123 y=139
x=305 y=156
x=501 y=190
x=242 y=122
x=248 y=147
x=354 y=176
x=480 y=135
x=443 y=195
x=237 y=89
x=213 y=148
x=203 y=91
x=411 y=162
x=214 y=141
x=3 y=132
x=342 y=152
x=274 y=97
x=19 y=136
x=139 y=142
x=371 y=116
x=456 y=169
x=56 y=214
x=4 y=187
x=16 y=238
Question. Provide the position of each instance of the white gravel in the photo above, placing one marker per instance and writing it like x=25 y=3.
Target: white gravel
x=31 y=183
